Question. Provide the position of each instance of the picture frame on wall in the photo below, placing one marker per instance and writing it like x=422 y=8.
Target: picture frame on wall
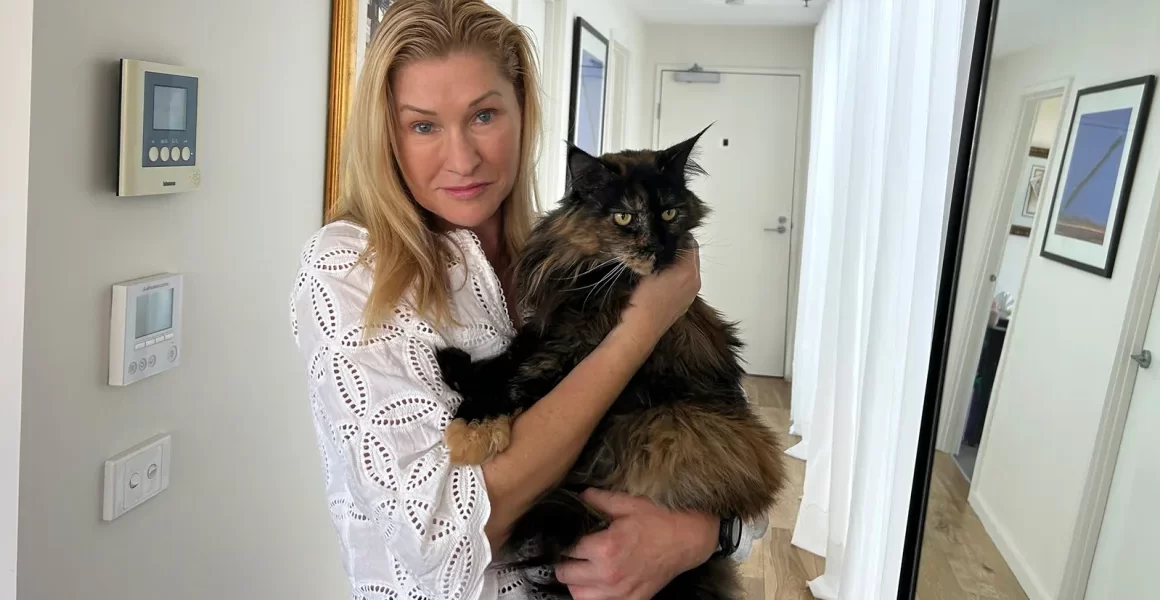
x=352 y=26
x=1097 y=166
x=589 y=83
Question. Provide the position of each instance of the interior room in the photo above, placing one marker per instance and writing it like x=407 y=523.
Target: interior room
x=173 y=155
x=1044 y=464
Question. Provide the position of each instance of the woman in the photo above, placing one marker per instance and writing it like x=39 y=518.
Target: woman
x=438 y=192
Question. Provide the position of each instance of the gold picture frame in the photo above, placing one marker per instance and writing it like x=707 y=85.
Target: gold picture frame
x=352 y=22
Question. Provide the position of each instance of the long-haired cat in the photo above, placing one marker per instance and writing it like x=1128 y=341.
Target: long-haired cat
x=682 y=433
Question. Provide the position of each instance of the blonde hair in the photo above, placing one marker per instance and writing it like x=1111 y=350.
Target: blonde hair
x=406 y=255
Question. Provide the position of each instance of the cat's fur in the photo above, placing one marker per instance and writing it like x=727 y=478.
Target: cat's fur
x=682 y=432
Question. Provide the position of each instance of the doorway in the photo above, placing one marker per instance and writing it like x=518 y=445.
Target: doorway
x=750 y=153
x=1029 y=164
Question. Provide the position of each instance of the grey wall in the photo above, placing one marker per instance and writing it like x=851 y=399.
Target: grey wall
x=245 y=515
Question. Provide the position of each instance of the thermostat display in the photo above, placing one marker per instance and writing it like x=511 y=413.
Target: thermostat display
x=144 y=328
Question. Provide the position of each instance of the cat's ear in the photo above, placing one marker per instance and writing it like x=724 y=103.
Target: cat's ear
x=584 y=170
x=677 y=160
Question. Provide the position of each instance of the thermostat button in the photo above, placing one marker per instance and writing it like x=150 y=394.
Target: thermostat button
x=175 y=152
x=141 y=365
x=172 y=353
x=153 y=153
x=152 y=359
x=165 y=153
x=185 y=153
x=132 y=367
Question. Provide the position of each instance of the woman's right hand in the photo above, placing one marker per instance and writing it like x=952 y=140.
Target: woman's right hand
x=662 y=298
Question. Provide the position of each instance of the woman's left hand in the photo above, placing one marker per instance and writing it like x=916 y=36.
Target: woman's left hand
x=644 y=548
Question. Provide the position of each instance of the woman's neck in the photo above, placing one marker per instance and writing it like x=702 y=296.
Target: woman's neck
x=490 y=234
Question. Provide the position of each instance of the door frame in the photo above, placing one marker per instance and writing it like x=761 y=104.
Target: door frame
x=16 y=25
x=1109 y=435
x=797 y=197
x=957 y=391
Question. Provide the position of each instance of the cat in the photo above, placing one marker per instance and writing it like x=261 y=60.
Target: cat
x=682 y=432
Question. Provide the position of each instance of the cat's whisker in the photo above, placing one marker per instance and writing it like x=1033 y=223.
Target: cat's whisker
x=576 y=276
x=611 y=275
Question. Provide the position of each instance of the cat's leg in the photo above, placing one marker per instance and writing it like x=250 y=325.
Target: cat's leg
x=482 y=425
x=721 y=460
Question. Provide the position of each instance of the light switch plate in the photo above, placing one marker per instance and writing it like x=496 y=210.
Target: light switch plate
x=136 y=475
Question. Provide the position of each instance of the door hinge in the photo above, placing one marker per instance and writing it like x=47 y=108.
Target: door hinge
x=1144 y=358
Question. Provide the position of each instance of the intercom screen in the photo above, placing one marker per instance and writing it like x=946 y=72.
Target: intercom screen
x=168 y=108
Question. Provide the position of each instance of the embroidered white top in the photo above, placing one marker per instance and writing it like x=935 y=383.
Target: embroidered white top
x=410 y=523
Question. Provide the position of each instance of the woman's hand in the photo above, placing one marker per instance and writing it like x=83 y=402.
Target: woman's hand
x=661 y=298
x=642 y=551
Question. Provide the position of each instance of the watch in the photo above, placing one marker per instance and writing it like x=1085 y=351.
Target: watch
x=728 y=536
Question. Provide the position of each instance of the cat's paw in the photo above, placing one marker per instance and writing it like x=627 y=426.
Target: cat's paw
x=454 y=366
x=473 y=443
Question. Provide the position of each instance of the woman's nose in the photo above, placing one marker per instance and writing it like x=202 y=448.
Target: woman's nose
x=462 y=156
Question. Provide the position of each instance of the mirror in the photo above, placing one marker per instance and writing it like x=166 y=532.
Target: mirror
x=1045 y=463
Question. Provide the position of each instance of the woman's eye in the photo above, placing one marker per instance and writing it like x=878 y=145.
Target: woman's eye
x=485 y=116
x=669 y=214
x=621 y=218
x=423 y=128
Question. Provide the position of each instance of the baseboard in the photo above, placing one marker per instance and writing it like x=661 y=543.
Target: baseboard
x=1032 y=585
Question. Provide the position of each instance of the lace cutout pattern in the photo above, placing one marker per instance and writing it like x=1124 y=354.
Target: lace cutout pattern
x=409 y=522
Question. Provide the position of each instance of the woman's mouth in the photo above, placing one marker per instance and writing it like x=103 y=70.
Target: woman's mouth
x=466 y=192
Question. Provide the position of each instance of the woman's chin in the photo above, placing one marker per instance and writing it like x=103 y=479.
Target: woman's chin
x=469 y=217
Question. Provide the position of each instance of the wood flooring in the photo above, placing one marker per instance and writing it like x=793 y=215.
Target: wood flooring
x=959 y=561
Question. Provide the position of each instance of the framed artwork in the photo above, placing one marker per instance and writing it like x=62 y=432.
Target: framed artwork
x=1034 y=177
x=352 y=25
x=589 y=81
x=1096 y=170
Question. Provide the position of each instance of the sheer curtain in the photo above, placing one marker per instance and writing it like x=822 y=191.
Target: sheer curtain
x=885 y=78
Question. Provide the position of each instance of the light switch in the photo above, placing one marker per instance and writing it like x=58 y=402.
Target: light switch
x=136 y=475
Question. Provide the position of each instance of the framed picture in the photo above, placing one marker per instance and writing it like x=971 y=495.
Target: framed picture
x=352 y=25
x=1096 y=171
x=1034 y=177
x=589 y=80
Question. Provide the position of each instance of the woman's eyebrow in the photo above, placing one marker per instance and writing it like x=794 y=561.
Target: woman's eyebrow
x=431 y=113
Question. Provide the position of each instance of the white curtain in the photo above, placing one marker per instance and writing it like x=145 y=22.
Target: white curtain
x=884 y=91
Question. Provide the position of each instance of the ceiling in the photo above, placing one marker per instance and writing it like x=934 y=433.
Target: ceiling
x=1024 y=24
x=717 y=12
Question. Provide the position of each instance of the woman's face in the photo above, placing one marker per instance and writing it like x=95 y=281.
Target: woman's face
x=459 y=136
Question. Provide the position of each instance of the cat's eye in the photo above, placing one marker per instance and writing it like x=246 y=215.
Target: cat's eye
x=669 y=214
x=622 y=218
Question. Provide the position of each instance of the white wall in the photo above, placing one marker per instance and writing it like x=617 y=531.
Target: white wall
x=245 y=514
x=15 y=95
x=1047 y=403
x=740 y=46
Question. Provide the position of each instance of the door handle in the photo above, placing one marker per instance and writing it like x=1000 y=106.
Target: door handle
x=1144 y=358
x=779 y=229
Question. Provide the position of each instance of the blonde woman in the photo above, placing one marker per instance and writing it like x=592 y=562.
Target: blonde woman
x=437 y=199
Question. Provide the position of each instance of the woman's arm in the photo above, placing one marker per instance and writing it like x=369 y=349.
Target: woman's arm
x=548 y=437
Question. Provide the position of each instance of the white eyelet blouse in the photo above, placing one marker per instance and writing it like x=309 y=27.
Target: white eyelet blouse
x=410 y=524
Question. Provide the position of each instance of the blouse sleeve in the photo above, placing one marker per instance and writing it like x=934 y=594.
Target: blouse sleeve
x=406 y=516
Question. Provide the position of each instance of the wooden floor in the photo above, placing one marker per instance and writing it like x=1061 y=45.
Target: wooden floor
x=777 y=570
x=959 y=561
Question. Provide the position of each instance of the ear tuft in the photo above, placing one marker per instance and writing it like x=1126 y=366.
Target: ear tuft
x=677 y=160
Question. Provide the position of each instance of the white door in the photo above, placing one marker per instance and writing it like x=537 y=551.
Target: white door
x=1126 y=554
x=749 y=154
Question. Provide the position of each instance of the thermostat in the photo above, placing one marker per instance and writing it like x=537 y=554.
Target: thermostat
x=159 y=150
x=144 y=328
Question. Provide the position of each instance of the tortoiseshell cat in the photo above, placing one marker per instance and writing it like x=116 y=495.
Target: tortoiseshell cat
x=682 y=432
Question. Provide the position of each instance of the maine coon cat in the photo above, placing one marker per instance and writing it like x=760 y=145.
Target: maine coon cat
x=682 y=433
